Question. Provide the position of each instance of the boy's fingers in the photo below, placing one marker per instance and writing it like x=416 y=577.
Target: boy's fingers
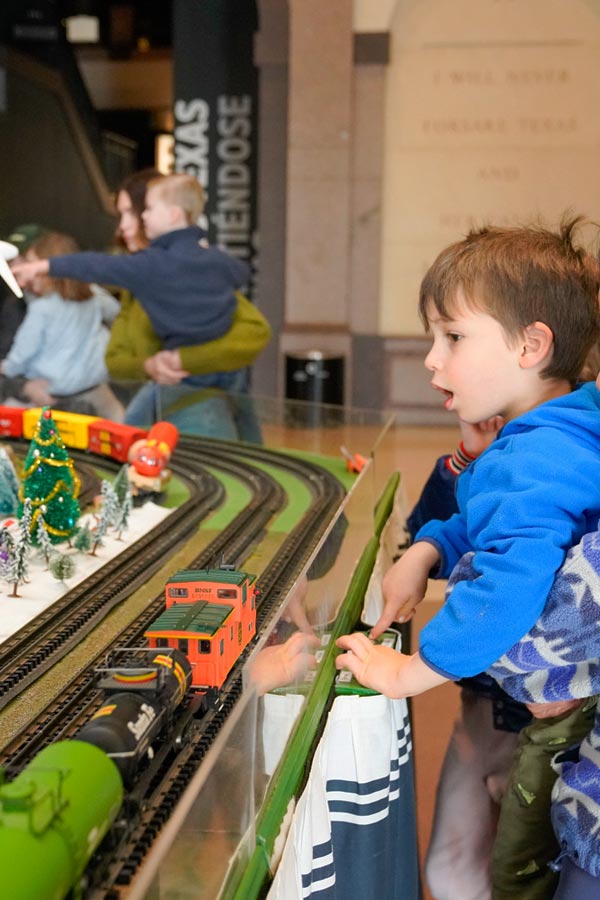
x=380 y=626
x=357 y=643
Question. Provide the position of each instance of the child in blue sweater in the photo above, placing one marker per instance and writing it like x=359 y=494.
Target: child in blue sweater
x=186 y=288
x=57 y=355
x=513 y=313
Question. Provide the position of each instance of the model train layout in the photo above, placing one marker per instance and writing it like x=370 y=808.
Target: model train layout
x=160 y=700
x=67 y=799
x=148 y=452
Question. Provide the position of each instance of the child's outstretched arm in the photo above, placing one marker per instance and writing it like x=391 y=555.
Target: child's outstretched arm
x=385 y=670
x=405 y=583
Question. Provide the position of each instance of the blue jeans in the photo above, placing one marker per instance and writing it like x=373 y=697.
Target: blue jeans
x=200 y=405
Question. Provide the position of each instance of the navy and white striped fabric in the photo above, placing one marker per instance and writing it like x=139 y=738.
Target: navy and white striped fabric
x=354 y=832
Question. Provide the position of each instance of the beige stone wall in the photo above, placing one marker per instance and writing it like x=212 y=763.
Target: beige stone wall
x=318 y=188
x=492 y=114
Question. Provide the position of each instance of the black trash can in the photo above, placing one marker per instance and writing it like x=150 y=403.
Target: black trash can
x=315 y=378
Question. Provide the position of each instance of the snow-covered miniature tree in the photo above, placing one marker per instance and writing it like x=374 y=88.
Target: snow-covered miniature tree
x=62 y=566
x=122 y=489
x=123 y=513
x=50 y=480
x=42 y=538
x=104 y=523
x=83 y=538
x=110 y=502
x=7 y=543
x=121 y=484
x=7 y=552
x=9 y=485
x=17 y=565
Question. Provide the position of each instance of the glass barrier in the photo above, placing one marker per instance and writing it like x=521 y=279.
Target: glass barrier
x=210 y=412
x=211 y=836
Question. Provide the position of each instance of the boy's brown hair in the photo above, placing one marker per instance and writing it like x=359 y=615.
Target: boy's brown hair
x=56 y=244
x=184 y=191
x=519 y=276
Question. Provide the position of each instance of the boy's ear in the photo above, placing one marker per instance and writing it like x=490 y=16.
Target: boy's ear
x=537 y=344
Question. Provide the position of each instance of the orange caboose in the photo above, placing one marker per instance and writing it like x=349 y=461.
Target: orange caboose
x=211 y=617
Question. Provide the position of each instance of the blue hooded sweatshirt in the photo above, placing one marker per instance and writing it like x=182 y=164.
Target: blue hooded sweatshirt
x=523 y=504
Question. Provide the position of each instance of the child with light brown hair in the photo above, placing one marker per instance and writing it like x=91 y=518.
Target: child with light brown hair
x=187 y=288
x=57 y=356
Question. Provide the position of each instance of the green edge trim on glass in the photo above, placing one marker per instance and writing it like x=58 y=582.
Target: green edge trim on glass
x=289 y=773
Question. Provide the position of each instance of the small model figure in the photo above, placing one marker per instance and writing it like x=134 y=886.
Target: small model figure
x=355 y=462
x=148 y=458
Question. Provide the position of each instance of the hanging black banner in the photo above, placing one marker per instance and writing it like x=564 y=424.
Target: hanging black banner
x=216 y=121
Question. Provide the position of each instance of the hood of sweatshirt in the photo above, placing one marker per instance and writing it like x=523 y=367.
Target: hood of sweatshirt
x=576 y=413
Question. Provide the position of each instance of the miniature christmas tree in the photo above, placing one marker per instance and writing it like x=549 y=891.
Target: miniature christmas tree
x=121 y=484
x=104 y=522
x=17 y=564
x=62 y=566
x=50 y=480
x=122 y=520
x=7 y=544
x=83 y=538
x=42 y=538
x=110 y=502
x=9 y=485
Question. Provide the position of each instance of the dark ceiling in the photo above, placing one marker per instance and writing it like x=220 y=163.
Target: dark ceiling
x=124 y=26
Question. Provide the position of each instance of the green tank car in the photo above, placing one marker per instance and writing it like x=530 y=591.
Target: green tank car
x=53 y=816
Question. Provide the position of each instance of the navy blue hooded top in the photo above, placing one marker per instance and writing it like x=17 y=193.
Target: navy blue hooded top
x=187 y=290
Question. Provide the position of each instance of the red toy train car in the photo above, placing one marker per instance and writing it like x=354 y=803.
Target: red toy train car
x=147 y=451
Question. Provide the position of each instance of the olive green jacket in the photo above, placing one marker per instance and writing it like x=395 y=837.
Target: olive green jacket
x=133 y=340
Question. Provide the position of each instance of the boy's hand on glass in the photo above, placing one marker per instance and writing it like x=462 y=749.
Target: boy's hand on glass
x=385 y=670
x=478 y=437
x=375 y=666
x=404 y=585
x=286 y=663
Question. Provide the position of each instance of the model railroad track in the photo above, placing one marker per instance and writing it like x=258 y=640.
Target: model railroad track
x=158 y=805
x=162 y=785
x=40 y=644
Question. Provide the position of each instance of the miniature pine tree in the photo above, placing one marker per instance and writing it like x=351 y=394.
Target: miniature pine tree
x=101 y=528
x=121 y=484
x=18 y=563
x=42 y=538
x=110 y=502
x=9 y=485
x=122 y=523
x=83 y=538
x=62 y=566
x=50 y=480
x=7 y=543
x=7 y=552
